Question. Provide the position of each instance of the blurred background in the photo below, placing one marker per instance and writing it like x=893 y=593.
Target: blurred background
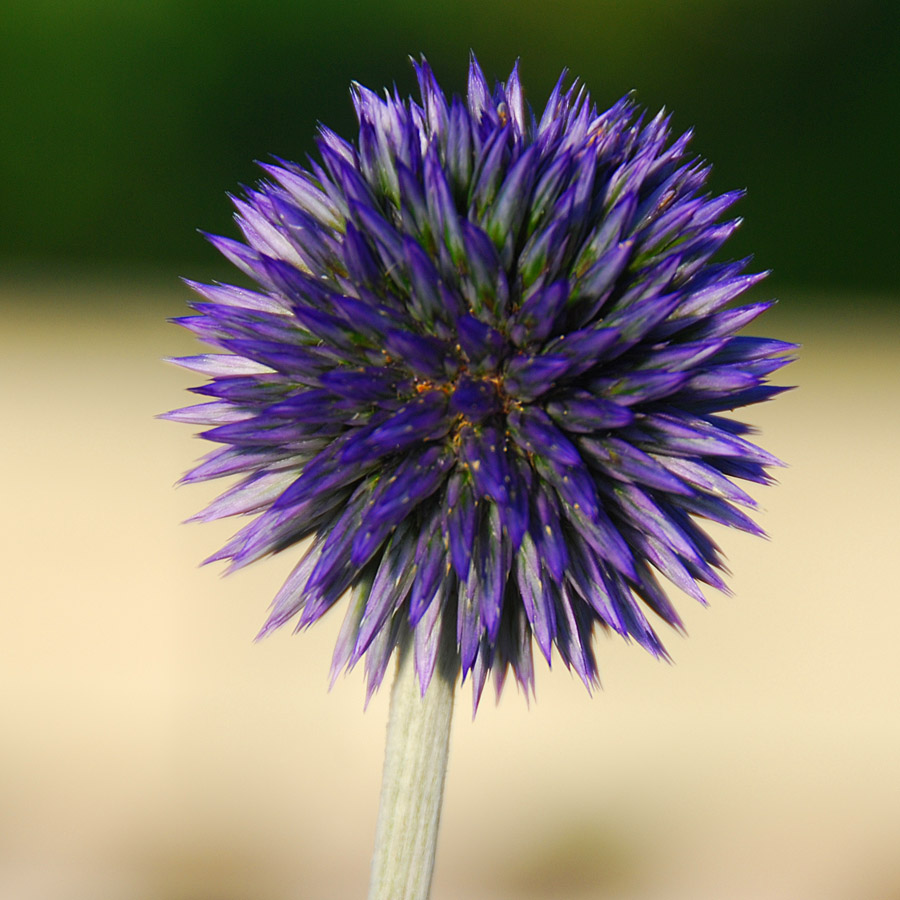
x=150 y=751
x=124 y=121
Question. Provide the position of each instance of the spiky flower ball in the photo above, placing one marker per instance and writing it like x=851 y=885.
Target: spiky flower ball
x=485 y=373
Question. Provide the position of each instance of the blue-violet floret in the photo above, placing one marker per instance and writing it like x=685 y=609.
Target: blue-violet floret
x=486 y=372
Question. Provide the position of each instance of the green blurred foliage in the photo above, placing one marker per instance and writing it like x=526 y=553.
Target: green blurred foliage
x=124 y=121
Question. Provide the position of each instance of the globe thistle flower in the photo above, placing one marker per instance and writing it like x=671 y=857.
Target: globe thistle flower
x=486 y=370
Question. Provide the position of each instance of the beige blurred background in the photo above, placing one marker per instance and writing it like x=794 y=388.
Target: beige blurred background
x=151 y=751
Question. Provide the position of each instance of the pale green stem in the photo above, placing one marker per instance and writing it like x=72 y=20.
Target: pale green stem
x=415 y=763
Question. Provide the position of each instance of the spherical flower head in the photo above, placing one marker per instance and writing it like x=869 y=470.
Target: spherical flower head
x=485 y=372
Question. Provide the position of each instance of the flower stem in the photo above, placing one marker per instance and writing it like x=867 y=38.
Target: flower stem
x=415 y=763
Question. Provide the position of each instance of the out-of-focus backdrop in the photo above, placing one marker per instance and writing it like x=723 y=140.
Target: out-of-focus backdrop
x=124 y=121
x=150 y=751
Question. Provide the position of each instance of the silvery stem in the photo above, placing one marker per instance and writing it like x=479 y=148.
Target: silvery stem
x=415 y=763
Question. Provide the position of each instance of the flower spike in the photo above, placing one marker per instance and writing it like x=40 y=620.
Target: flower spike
x=488 y=369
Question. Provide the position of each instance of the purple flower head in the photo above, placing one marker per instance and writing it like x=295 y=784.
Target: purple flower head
x=486 y=372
